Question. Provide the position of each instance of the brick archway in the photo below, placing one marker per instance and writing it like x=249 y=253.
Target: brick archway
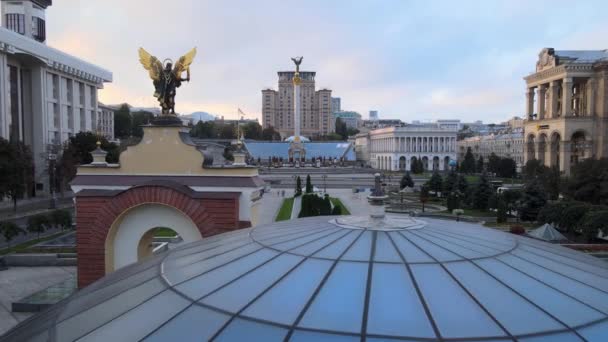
x=97 y=210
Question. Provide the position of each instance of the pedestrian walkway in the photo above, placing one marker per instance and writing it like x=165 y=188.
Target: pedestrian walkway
x=297 y=206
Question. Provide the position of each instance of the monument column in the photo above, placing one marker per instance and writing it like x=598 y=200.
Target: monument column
x=553 y=104
x=530 y=102
x=567 y=97
x=297 y=102
x=541 y=101
x=590 y=97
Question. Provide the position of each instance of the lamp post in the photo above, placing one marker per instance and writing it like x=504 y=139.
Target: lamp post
x=324 y=183
x=52 y=158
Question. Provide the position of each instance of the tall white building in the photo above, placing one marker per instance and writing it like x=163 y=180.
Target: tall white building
x=46 y=95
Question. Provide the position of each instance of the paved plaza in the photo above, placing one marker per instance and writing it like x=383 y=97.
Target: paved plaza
x=20 y=282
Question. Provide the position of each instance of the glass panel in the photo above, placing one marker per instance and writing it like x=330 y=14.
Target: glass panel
x=202 y=285
x=394 y=306
x=82 y=323
x=576 y=273
x=582 y=292
x=578 y=264
x=284 y=301
x=139 y=322
x=564 y=308
x=474 y=246
x=236 y=295
x=303 y=240
x=361 y=250
x=307 y=336
x=339 y=304
x=334 y=250
x=243 y=330
x=410 y=252
x=437 y=252
x=194 y=324
x=565 y=252
x=596 y=332
x=456 y=249
x=563 y=337
x=314 y=246
x=516 y=314
x=385 y=251
x=454 y=312
x=176 y=275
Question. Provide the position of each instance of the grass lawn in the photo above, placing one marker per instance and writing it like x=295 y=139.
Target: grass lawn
x=285 y=211
x=471 y=179
x=337 y=203
x=475 y=213
x=164 y=232
x=20 y=247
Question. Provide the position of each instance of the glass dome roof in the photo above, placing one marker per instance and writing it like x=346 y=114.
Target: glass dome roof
x=312 y=280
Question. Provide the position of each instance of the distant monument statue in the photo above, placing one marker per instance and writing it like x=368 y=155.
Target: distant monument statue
x=297 y=61
x=168 y=78
x=297 y=152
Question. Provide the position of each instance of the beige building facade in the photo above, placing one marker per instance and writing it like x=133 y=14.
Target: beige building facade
x=567 y=108
x=504 y=145
x=316 y=107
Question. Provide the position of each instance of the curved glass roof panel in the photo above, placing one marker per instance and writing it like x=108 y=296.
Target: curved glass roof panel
x=312 y=280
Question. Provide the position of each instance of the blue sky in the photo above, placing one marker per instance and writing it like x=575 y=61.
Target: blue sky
x=412 y=60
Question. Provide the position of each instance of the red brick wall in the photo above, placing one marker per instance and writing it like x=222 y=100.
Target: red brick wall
x=95 y=215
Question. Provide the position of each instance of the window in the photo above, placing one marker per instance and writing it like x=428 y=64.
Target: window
x=55 y=87
x=93 y=96
x=68 y=86
x=81 y=92
x=16 y=22
x=83 y=121
x=38 y=29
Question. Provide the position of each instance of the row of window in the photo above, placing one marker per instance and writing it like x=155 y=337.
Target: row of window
x=16 y=22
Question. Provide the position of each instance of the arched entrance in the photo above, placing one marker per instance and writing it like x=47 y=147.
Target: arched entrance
x=401 y=163
x=413 y=162
x=446 y=163
x=580 y=147
x=129 y=239
x=390 y=163
x=435 y=163
x=425 y=163
x=530 y=148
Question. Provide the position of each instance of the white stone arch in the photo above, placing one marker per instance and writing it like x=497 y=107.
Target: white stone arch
x=130 y=236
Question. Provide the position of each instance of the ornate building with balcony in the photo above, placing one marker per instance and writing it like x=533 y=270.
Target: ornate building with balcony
x=567 y=108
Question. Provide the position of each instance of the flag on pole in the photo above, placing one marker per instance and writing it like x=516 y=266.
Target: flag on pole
x=241 y=114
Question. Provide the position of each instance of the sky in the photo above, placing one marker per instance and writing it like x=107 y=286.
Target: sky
x=410 y=60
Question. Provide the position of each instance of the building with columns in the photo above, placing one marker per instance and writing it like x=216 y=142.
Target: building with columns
x=505 y=145
x=394 y=148
x=567 y=108
x=46 y=95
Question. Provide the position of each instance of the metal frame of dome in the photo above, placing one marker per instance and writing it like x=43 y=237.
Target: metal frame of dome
x=309 y=279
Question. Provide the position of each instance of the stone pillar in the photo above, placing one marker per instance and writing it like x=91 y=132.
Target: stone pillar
x=590 y=97
x=541 y=101
x=564 y=156
x=567 y=96
x=530 y=102
x=552 y=105
x=296 y=107
x=430 y=164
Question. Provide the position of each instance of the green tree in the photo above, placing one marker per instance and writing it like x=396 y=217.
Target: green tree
x=270 y=134
x=468 y=164
x=122 y=122
x=16 y=170
x=552 y=182
x=494 y=163
x=424 y=195
x=9 y=231
x=482 y=193
x=406 y=181
x=341 y=129
x=203 y=130
x=326 y=206
x=533 y=169
x=510 y=197
x=588 y=181
x=309 y=188
x=479 y=166
x=450 y=182
x=453 y=200
x=61 y=218
x=337 y=210
x=507 y=168
x=462 y=184
x=572 y=215
x=38 y=224
x=137 y=120
x=298 y=191
x=435 y=184
x=501 y=212
x=593 y=222
x=533 y=199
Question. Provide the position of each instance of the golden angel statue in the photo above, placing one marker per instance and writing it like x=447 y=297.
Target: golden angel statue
x=168 y=78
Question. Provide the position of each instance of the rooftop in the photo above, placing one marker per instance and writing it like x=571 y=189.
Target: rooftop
x=312 y=280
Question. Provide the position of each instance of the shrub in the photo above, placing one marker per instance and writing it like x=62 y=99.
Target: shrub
x=337 y=210
x=9 y=230
x=38 y=224
x=501 y=213
x=593 y=222
x=552 y=212
x=571 y=216
x=61 y=218
x=517 y=230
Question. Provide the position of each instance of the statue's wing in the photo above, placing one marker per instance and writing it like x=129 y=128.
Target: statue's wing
x=183 y=63
x=150 y=63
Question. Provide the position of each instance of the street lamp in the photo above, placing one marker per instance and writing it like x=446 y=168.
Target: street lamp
x=324 y=183
x=52 y=158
